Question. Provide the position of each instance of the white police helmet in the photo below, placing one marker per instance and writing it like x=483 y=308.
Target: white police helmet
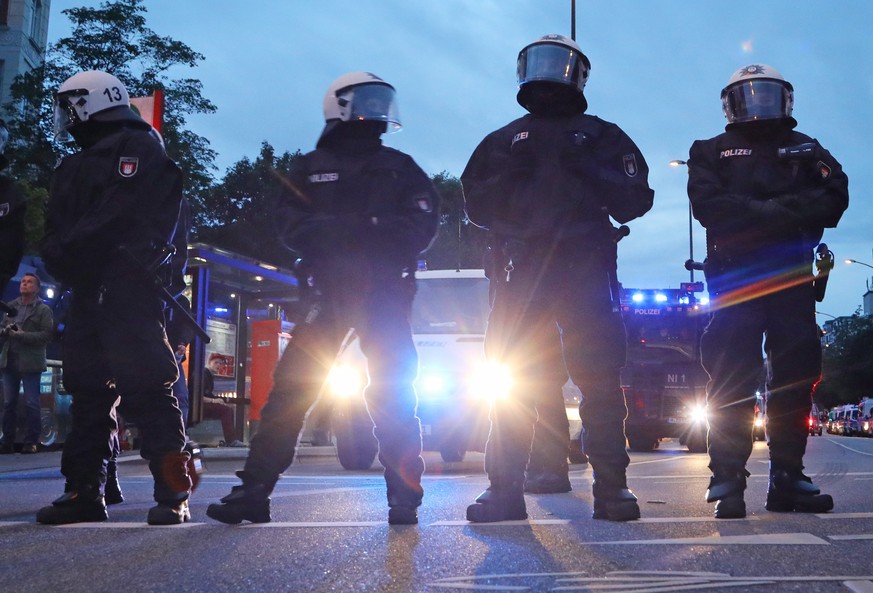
x=757 y=92
x=554 y=58
x=86 y=94
x=361 y=96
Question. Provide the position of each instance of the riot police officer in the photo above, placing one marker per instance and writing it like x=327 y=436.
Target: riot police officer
x=113 y=206
x=765 y=193
x=546 y=186
x=359 y=213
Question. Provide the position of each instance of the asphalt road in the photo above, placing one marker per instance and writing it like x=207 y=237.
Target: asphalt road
x=329 y=533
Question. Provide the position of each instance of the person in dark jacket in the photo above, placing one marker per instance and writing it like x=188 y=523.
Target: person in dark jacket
x=13 y=207
x=359 y=213
x=24 y=337
x=546 y=186
x=765 y=193
x=114 y=206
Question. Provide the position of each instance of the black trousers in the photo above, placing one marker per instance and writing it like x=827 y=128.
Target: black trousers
x=380 y=317
x=115 y=350
x=574 y=295
x=782 y=324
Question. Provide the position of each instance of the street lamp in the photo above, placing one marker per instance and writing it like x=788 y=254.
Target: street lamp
x=860 y=263
x=679 y=163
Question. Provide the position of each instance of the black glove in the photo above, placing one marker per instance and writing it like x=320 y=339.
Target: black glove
x=772 y=211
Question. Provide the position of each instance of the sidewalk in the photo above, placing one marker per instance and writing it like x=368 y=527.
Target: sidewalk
x=16 y=462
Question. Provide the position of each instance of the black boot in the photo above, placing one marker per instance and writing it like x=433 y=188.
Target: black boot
x=402 y=515
x=248 y=502
x=614 y=501
x=500 y=502
x=726 y=489
x=112 y=490
x=82 y=504
x=791 y=490
x=546 y=482
x=169 y=513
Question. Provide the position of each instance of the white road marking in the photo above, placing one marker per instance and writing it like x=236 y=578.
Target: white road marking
x=708 y=519
x=844 y=515
x=125 y=525
x=500 y=523
x=638 y=581
x=770 y=539
x=853 y=450
x=297 y=524
x=859 y=536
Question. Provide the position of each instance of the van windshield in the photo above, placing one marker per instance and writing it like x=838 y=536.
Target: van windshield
x=450 y=306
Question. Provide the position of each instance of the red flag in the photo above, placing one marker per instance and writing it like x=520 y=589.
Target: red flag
x=150 y=108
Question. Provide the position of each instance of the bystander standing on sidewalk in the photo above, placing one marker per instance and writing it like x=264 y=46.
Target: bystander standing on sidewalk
x=24 y=337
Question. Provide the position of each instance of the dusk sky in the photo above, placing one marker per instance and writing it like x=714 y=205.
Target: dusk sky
x=658 y=68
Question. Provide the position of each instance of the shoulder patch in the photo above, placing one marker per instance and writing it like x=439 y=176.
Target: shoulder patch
x=823 y=170
x=630 y=164
x=128 y=166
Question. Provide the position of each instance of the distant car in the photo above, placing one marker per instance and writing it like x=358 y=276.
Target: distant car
x=759 y=427
x=815 y=425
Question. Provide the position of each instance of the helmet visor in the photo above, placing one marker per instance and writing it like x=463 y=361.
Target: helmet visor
x=753 y=100
x=372 y=102
x=554 y=63
x=65 y=117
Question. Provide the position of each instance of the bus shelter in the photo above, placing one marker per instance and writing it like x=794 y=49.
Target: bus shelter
x=230 y=295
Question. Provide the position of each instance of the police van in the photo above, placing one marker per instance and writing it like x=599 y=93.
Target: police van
x=454 y=384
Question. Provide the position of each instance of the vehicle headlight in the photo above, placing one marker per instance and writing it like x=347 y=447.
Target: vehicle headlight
x=698 y=413
x=491 y=381
x=759 y=422
x=345 y=381
x=431 y=384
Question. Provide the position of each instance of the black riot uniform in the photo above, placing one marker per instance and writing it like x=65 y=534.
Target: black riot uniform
x=764 y=215
x=115 y=202
x=546 y=186
x=359 y=213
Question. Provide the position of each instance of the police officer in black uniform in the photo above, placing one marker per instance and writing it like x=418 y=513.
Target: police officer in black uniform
x=12 y=210
x=113 y=206
x=765 y=193
x=359 y=213
x=546 y=186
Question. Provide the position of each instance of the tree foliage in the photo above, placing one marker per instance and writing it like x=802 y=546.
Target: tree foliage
x=848 y=363
x=459 y=243
x=114 y=38
x=238 y=213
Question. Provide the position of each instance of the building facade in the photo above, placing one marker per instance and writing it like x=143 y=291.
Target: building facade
x=23 y=38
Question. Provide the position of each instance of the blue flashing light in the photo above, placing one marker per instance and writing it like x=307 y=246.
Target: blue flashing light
x=660 y=297
x=638 y=297
x=704 y=300
x=684 y=300
x=221 y=309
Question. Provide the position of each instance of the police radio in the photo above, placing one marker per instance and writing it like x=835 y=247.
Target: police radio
x=798 y=151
